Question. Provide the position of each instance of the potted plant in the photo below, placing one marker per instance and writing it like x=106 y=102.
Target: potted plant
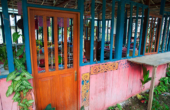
x=19 y=78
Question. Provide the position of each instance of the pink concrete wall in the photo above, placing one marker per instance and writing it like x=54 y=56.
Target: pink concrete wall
x=106 y=89
x=112 y=87
x=6 y=103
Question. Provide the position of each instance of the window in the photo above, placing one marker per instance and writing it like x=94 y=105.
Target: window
x=153 y=34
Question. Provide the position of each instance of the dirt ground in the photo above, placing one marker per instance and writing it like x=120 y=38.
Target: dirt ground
x=135 y=104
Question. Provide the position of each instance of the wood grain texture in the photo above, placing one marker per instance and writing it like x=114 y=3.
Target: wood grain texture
x=56 y=87
x=152 y=88
x=153 y=60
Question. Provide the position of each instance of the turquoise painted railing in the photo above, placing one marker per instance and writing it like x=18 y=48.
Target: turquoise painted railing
x=119 y=31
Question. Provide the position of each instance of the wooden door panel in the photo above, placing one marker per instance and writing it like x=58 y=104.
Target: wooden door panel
x=67 y=91
x=47 y=89
x=57 y=87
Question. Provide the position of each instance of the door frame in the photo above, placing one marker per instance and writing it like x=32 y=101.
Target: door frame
x=78 y=54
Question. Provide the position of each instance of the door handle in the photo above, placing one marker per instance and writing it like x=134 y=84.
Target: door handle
x=75 y=74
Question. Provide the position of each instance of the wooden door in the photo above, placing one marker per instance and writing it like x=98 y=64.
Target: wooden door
x=54 y=50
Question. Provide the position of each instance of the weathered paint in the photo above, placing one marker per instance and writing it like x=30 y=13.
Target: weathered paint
x=106 y=88
x=6 y=103
x=111 y=87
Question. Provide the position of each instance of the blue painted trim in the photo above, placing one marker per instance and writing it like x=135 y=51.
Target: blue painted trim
x=162 y=7
x=112 y=28
x=164 y=32
x=137 y=4
x=81 y=8
x=132 y=30
x=26 y=35
x=169 y=44
x=119 y=29
x=125 y=29
x=146 y=32
x=161 y=13
x=56 y=8
x=167 y=37
x=7 y=35
x=92 y=30
x=136 y=29
x=103 y=31
x=3 y=76
x=141 y=30
x=129 y=29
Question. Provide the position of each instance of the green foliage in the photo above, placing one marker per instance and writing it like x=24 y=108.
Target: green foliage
x=49 y=107
x=82 y=108
x=146 y=77
x=161 y=88
x=19 y=78
x=25 y=104
x=15 y=36
x=3 y=55
x=39 y=42
x=113 y=107
x=119 y=106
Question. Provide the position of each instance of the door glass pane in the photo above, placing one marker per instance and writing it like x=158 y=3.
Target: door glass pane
x=50 y=38
x=60 y=43
x=70 y=42
x=39 y=43
x=18 y=19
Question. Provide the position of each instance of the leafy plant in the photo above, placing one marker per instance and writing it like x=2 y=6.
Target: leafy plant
x=111 y=108
x=39 y=42
x=19 y=78
x=119 y=106
x=82 y=108
x=146 y=77
x=3 y=55
x=49 y=107
x=162 y=87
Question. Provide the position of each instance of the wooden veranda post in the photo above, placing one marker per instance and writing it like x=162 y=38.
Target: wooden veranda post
x=152 y=88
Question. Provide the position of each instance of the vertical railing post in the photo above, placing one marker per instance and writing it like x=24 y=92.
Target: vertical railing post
x=161 y=13
x=112 y=28
x=136 y=29
x=7 y=29
x=92 y=31
x=145 y=31
x=103 y=31
x=125 y=29
x=129 y=29
x=119 y=29
x=26 y=35
x=81 y=8
x=141 y=30
x=145 y=28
